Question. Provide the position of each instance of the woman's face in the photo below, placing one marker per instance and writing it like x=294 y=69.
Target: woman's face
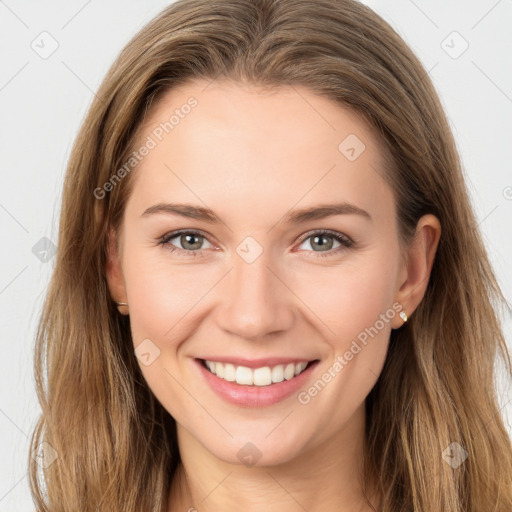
x=251 y=280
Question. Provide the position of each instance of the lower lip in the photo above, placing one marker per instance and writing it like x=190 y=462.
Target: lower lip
x=255 y=396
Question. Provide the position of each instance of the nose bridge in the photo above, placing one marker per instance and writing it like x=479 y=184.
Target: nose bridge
x=255 y=301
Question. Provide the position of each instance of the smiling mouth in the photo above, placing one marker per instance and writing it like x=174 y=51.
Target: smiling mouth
x=263 y=376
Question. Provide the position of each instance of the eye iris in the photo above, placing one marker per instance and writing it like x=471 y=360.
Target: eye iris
x=322 y=246
x=185 y=239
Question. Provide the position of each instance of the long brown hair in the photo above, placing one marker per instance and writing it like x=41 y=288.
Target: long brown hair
x=113 y=443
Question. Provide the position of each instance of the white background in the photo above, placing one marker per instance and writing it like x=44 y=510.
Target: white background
x=42 y=103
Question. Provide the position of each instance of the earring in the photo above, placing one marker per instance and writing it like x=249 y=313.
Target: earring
x=403 y=316
x=122 y=307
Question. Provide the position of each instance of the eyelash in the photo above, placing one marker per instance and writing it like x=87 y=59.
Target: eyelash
x=345 y=241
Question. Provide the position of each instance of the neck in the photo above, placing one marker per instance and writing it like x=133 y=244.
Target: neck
x=327 y=477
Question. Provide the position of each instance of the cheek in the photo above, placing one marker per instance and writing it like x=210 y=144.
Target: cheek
x=350 y=298
x=165 y=301
x=162 y=296
x=355 y=302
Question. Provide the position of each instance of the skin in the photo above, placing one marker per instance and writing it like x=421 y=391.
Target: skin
x=252 y=157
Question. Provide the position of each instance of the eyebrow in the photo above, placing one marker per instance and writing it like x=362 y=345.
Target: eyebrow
x=294 y=217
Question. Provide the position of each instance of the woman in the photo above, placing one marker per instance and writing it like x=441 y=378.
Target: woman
x=270 y=290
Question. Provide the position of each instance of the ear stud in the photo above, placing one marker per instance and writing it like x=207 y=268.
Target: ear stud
x=122 y=307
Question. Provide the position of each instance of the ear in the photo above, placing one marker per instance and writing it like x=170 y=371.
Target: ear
x=417 y=265
x=114 y=272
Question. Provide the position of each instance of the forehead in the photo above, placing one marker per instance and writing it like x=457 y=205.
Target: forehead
x=299 y=116
x=211 y=140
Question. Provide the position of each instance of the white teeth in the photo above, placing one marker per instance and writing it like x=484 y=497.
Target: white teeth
x=229 y=372
x=243 y=375
x=219 y=370
x=289 y=371
x=264 y=376
x=278 y=373
x=299 y=367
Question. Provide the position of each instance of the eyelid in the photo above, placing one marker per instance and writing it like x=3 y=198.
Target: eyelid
x=174 y=234
x=330 y=232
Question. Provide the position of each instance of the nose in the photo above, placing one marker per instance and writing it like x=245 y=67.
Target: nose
x=256 y=300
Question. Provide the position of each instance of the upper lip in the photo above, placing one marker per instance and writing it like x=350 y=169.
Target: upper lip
x=257 y=363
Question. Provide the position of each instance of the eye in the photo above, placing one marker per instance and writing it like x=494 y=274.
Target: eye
x=324 y=241
x=191 y=242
